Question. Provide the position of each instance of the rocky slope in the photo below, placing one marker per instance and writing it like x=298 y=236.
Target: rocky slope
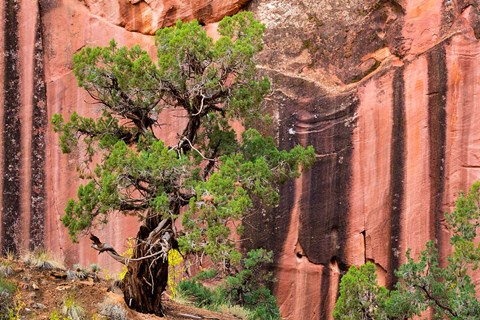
x=40 y=288
x=386 y=91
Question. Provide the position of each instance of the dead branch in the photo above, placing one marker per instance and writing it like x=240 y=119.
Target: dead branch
x=105 y=247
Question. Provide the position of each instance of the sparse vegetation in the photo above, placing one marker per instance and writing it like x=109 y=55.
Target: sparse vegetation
x=425 y=283
x=246 y=289
x=237 y=311
x=72 y=310
x=42 y=259
x=78 y=272
x=7 y=298
x=112 y=310
x=54 y=294
x=15 y=311
x=6 y=268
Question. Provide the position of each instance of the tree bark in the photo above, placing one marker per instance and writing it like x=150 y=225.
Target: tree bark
x=147 y=270
x=147 y=275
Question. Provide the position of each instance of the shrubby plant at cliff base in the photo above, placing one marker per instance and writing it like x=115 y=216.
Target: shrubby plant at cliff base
x=209 y=173
x=448 y=290
x=247 y=288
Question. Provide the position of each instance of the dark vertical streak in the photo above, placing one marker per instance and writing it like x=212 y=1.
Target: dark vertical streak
x=364 y=236
x=326 y=199
x=39 y=123
x=397 y=169
x=324 y=294
x=437 y=99
x=267 y=227
x=324 y=214
x=11 y=130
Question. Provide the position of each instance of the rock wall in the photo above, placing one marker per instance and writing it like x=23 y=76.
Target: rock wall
x=386 y=91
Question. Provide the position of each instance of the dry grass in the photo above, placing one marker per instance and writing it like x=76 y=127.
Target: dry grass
x=42 y=260
x=112 y=310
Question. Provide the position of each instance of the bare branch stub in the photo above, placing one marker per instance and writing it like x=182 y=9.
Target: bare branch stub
x=105 y=247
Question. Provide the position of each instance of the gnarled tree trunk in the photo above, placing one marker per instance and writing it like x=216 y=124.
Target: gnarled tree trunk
x=147 y=275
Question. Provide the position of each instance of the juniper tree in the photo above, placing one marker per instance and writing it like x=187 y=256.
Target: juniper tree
x=446 y=288
x=208 y=178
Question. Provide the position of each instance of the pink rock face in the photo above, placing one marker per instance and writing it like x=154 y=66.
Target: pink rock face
x=387 y=94
x=392 y=156
x=147 y=16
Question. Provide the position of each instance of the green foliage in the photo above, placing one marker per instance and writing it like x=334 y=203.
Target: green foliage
x=7 y=286
x=200 y=295
x=448 y=290
x=14 y=312
x=55 y=315
x=7 y=297
x=206 y=274
x=95 y=268
x=360 y=295
x=138 y=174
x=246 y=288
x=72 y=310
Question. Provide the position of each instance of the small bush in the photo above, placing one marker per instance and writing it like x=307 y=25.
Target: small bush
x=112 y=311
x=206 y=274
x=200 y=295
x=8 y=308
x=247 y=289
x=55 y=315
x=77 y=272
x=42 y=260
x=175 y=271
x=72 y=310
x=6 y=303
x=6 y=268
x=95 y=268
x=237 y=311
x=6 y=285
x=16 y=309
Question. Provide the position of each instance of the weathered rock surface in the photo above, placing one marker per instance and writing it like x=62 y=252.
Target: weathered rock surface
x=147 y=16
x=386 y=91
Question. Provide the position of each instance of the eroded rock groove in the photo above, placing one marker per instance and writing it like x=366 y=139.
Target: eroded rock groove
x=397 y=170
x=11 y=129
x=39 y=124
x=437 y=103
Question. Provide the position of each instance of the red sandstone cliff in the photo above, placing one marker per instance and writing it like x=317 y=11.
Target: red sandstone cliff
x=386 y=91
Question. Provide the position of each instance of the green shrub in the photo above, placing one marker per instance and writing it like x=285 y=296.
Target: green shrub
x=247 y=289
x=200 y=295
x=237 y=311
x=72 y=310
x=55 y=315
x=206 y=274
x=8 y=286
x=7 y=297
